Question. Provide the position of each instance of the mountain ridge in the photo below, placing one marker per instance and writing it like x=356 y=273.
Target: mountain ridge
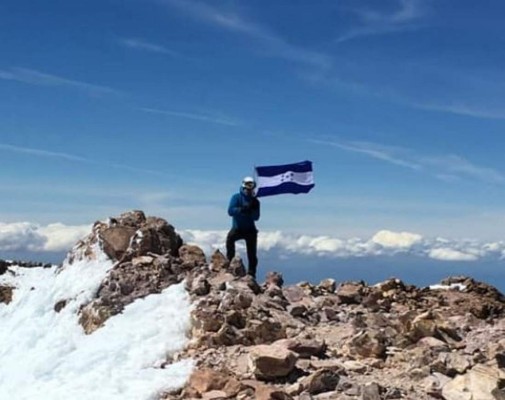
x=346 y=340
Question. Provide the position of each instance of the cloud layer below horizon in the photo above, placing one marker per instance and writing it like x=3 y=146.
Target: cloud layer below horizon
x=58 y=237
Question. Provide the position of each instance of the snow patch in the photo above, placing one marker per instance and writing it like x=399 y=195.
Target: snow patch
x=45 y=353
x=452 y=286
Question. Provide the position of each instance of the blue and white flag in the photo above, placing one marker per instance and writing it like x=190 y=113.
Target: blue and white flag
x=290 y=178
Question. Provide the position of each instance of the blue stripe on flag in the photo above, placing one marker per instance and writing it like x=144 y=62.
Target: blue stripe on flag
x=304 y=166
x=288 y=187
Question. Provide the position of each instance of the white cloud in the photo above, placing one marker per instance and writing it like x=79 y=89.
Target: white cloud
x=25 y=236
x=60 y=237
x=447 y=254
x=401 y=240
x=383 y=243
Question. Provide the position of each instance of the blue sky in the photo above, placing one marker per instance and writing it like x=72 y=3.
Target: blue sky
x=165 y=105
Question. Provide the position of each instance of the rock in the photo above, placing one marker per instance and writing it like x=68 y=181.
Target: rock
x=305 y=348
x=323 y=380
x=132 y=218
x=264 y=392
x=60 y=305
x=355 y=366
x=6 y=294
x=481 y=382
x=370 y=391
x=350 y=293
x=116 y=240
x=294 y=294
x=433 y=343
x=237 y=267
x=206 y=380
x=192 y=255
x=455 y=364
x=368 y=343
x=142 y=260
x=200 y=286
x=218 y=261
x=274 y=278
x=4 y=265
x=269 y=361
x=297 y=310
x=391 y=284
x=433 y=384
x=328 y=285
x=214 y=395
x=207 y=319
x=93 y=316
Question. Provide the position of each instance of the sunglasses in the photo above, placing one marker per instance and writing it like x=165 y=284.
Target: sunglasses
x=249 y=185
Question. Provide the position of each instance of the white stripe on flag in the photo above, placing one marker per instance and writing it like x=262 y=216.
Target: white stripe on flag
x=300 y=178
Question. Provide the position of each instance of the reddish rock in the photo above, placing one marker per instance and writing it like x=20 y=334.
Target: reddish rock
x=274 y=278
x=192 y=255
x=218 y=261
x=270 y=362
x=323 y=380
x=6 y=294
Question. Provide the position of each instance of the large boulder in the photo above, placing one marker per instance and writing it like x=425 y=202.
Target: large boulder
x=481 y=382
x=132 y=234
x=207 y=381
x=145 y=250
x=269 y=361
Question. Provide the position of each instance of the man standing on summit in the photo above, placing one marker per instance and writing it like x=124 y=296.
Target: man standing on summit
x=244 y=209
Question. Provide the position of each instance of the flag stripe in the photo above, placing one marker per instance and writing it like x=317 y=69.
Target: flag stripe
x=288 y=187
x=304 y=166
x=301 y=178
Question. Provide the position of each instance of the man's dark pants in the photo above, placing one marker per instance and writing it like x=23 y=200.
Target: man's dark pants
x=251 y=242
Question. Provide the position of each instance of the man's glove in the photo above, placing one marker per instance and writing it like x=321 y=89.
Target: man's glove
x=255 y=204
x=246 y=209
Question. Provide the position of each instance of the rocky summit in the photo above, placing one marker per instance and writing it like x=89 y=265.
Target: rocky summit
x=333 y=340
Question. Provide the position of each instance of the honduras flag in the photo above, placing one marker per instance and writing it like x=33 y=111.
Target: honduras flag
x=290 y=178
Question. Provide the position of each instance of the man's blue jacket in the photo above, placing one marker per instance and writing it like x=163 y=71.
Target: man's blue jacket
x=244 y=209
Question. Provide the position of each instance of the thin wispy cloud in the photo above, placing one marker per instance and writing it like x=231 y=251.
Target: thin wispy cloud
x=469 y=110
x=380 y=152
x=406 y=16
x=215 y=119
x=236 y=23
x=142 y=45
x=73 y=158
x=449 y=168
x=42 y=153
x=38 y=78
x=456 y=165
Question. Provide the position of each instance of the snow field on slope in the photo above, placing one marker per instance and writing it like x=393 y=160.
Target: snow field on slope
x=45 y=354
